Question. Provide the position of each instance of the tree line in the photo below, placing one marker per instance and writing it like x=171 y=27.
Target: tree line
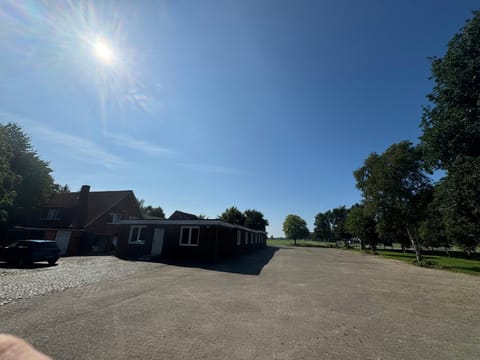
x=400 y=200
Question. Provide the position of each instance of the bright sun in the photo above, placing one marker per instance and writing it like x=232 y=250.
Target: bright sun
x=103 y=52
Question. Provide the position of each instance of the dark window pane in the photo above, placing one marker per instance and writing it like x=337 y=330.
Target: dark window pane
x=184 y=236
x=143 y=234
x=194 y=237
x=134 y=234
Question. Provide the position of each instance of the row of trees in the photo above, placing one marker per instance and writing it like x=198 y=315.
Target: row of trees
x=400 y=201
x=250 y=218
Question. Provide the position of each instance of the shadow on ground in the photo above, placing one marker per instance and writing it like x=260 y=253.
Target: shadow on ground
x=5 y=265
x=248 y=264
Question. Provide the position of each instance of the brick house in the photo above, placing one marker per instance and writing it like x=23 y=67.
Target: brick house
x=84 y=222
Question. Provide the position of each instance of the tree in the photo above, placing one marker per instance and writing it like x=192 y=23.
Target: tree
x=233 y=216
x=458 y=199
x=330 y=225
x=7 y=178
x=337 y=218
x=295 y=228
x=450 y=124
x=362 y=225
x=432 y=229
x=396 y=190
x=26 y=179
x=153 y=211
x=149 y=210
x=255 y=220
x=451 y=134
x=322 y=229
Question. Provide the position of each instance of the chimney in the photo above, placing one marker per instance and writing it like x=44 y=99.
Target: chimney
x=82 y=209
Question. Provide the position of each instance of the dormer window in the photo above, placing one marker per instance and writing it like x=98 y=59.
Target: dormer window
x=53 y=214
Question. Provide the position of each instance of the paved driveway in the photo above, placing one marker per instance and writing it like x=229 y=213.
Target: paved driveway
x=294 y=303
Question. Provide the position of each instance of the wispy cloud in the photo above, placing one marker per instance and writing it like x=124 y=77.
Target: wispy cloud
x=141 y=100
x=77 y=147
x=216 y=169
x=139 y=145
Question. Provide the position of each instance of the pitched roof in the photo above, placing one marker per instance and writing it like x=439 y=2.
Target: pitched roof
x=180 y=215
x=98 y=201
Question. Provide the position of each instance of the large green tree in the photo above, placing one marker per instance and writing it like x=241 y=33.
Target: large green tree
x=295 y=228
x=8 y=179
x=254 y=219
x=451 y=133
x=396 y=190
x=451 y=122
x=233 y=216
x=32 y=183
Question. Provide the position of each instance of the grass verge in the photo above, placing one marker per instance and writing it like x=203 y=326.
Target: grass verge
x=452 y=263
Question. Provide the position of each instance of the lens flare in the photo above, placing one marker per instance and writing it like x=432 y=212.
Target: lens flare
x=80 y=41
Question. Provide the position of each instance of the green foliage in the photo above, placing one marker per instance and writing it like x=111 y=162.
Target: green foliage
x=8 y=179
x=25 y=180
x=396 y=191
x=362 y=225
x=451 y=134
x=330 y=225
x=459 y=203
x=153 y=211
x=432 y=229
x=233 y=216
x=254 y=219
x=295 y=228
x=451 y=124
x=322 y=228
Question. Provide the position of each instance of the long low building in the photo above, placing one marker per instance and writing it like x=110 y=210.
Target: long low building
x=186 y=239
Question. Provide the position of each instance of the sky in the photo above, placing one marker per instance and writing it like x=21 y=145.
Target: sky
x=203 y=105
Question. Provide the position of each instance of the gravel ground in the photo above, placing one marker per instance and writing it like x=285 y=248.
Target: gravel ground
x=70 y=272
x=287 y=303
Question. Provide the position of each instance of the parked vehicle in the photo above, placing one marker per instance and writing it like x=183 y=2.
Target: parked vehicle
x=29 y=251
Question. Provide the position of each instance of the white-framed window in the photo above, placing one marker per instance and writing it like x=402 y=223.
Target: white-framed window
x=239 y=237
x=189 y=236
x=53 y=214
x=137 y=235
x=246 y=238
x=251 y=238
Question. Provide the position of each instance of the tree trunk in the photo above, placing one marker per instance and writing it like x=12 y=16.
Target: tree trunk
x=295 y=241
x=417 y=246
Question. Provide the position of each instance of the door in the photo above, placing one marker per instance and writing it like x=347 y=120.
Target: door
x=157 y=243
x=63 y=239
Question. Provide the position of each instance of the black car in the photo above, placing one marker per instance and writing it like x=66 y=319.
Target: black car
x=29 y=251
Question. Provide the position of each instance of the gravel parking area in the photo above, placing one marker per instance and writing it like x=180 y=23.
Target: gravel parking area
x=286 y=303
x=70 y=272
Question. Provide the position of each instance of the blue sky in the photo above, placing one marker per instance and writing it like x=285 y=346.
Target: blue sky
x=201 y=105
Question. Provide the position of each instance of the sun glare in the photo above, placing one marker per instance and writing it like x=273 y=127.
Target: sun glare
x=103 y=52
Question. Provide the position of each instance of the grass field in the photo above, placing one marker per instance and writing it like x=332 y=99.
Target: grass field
x=457 y=262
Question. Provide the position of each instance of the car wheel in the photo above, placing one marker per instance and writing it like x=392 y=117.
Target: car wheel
x=52 y=261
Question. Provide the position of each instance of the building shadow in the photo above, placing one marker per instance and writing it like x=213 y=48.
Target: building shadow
x=6 y=265
x=251 y=263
